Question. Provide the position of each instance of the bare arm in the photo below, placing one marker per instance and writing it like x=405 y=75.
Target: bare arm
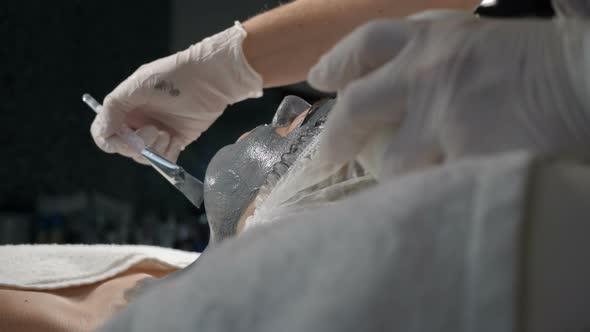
x=284 y=43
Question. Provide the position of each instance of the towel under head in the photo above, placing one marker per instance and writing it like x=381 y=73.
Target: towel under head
x=60 y=266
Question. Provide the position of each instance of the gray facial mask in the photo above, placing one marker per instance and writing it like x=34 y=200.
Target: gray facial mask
x=237 y=171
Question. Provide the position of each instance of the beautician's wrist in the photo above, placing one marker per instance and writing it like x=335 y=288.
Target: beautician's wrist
x=220 y=59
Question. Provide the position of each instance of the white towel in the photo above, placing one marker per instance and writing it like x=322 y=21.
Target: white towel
x=60 y=266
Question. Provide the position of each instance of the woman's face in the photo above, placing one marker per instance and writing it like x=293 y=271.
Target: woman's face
x=236 y=172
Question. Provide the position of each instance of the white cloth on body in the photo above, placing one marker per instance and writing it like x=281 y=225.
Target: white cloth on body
x=308 y=184
x=445 y=249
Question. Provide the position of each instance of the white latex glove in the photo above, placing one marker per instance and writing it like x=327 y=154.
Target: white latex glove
x=451 y=88
x=171 y=101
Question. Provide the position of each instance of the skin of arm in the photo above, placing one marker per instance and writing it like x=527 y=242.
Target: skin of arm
x=284 y=43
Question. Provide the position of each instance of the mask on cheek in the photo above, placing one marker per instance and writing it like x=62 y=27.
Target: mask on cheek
x=236 y=172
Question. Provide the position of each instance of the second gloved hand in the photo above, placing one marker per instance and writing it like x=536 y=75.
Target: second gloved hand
x=171 y=101
x=457 y=87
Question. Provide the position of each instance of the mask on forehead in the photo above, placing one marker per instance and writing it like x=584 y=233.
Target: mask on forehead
x=237 y=171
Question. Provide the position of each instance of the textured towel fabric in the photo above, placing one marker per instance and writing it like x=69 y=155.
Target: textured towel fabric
x=59 y=266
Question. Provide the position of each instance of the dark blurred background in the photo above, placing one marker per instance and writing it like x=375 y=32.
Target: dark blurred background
x=57 y=186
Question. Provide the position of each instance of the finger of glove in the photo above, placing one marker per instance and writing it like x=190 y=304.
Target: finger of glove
x=160 y=145
x=174 y=148
x=104 y=127
x=372 y=103
x=154 y=139
x=115 y=107
x=361 y=52
x=116 y=144
x=149 y=135
x=171 y=152
x=112 y=117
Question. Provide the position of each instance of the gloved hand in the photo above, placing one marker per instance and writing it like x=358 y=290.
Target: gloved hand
x=456 y=87
x=171 y=101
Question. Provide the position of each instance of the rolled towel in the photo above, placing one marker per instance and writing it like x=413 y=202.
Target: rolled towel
x=38 y=267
